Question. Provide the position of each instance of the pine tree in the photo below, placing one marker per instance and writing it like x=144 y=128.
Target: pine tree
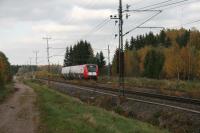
x=162 y=37
x=115 y=63
x=183 y=39
x=126 y=45
x=66 y=60
x=153 y=64
x=102 y=60
x=80 y=53
x=71 y=56
x=132 y=44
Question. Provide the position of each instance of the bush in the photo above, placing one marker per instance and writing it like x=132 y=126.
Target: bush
x=5 y=75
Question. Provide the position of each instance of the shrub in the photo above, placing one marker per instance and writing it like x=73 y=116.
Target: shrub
x=5 y=75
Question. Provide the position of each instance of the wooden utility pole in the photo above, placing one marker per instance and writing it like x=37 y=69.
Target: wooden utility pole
x=109 y=67
x=119 y=19
x=36 y=57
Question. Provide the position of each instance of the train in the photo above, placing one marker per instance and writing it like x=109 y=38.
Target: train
x=86 y=71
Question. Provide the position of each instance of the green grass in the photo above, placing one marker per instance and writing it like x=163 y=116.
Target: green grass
x=5 y=91
x=63 y=114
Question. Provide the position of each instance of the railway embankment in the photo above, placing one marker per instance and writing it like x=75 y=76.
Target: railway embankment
x=62 y=113
x=177 y=121
x=187 y=89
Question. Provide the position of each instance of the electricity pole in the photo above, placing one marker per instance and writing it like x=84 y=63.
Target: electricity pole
x=30 y=62
x=48 y=58
x=36 y=62
x=36 y=57
x=31 y=68
x=119 y=20
x=109 y=69
x=121 y=47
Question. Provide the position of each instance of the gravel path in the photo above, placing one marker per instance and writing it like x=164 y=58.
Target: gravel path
x=18 y=114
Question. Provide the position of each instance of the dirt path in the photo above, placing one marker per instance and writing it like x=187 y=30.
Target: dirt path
x=18 y=114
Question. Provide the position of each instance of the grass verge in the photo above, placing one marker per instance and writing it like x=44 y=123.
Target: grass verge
x=63 y=114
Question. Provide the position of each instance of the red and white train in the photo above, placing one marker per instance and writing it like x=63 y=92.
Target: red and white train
x=87 y=71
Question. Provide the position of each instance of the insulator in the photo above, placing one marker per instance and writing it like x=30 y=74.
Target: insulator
x=116 y=22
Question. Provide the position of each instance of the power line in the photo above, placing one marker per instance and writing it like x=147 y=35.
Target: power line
x=179 y=5
x=139 y=26
x=93 y=30
x=97 y=28
x=165 y=5
x=155 y=4
x=56 y=48
x=191 y=22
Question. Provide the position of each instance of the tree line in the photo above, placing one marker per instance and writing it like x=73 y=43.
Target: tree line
x=83 y=53
x=5 y=74
x=171 y=54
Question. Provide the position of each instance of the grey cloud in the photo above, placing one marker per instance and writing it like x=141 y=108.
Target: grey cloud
x=60 y=20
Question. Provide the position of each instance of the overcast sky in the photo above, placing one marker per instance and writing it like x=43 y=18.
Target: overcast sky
x=23 y=24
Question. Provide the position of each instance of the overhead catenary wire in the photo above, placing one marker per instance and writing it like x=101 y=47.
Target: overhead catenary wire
x=93 y=30
x=162 y=4
x=142 y=23
x=188 y=23
x=155 y=4
x=158 y=7
x=96 y=28
x=169 y=4
x=181 y=4
x=56 y=48
x=192 y=22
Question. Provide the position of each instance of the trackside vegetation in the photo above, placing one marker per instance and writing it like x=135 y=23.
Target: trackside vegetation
x=5 y=76
x=63 y=114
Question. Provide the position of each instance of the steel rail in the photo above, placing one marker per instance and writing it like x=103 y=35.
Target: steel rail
x=144 y=94
x=110 y=93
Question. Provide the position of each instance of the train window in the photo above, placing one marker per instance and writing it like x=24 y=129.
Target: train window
x=91 y=68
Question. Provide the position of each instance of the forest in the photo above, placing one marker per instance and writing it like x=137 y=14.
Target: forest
x=171 y=54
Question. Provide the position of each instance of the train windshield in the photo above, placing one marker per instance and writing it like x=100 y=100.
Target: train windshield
x=91 y=68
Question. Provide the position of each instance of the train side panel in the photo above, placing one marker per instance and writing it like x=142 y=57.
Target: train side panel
x=88 y=71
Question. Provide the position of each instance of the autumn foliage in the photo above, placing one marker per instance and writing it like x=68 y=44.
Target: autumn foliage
x=4 y=70
x=171 y=54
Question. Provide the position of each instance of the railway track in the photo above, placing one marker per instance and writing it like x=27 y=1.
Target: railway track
x=114 y=92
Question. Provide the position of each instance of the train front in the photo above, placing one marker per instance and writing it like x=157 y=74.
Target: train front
x=91 y=71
